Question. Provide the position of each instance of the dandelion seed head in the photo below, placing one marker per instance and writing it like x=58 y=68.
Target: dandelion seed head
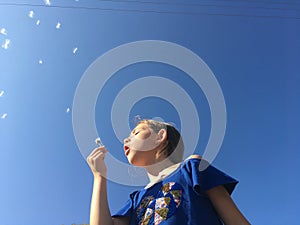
x=98 y=141
x=4 y=115
x=1 y=93
x=38 y=22
x=40 y=61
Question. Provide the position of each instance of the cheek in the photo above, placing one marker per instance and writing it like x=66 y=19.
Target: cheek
x=144 y=144
x=146 y=135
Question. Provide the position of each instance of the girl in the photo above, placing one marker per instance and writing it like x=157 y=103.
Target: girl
x=178 y=192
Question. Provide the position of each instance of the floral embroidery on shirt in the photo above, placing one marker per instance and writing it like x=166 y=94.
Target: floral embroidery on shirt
x=154 y=210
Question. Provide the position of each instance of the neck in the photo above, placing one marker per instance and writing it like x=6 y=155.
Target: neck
x=158 y=169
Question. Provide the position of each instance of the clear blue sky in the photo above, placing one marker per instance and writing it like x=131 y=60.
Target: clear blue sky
x=253 y=49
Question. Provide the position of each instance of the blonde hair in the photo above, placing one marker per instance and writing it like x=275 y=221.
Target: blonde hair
x=173 y=147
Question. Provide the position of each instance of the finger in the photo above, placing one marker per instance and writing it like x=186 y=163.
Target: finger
x=98 y=153
x=101 y=155
x=93 y=152
x=91 y=158
x=96 y=161
x=97 y=156
x=90 y=161
x=102 y=149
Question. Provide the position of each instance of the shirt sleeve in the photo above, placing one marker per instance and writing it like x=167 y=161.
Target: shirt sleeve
x=210 y=177
x=127 y=209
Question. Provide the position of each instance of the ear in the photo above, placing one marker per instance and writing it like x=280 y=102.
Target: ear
x=161 y=136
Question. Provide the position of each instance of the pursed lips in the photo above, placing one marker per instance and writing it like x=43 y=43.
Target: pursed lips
x=126 y=150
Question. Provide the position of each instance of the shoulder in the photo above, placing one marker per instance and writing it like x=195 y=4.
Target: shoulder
x=197 y=159
x=195 y=156
x=191 y=163
x=192 y=159
x=196 y=163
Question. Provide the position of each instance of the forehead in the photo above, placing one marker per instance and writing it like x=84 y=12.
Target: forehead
x=140 y=126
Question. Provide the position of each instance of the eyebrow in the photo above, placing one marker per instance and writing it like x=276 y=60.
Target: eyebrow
x=140 y=126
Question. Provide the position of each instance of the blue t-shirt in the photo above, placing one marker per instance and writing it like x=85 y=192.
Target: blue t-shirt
x=179 y=199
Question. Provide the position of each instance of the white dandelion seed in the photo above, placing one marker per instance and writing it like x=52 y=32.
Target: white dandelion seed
x=136 y=119
x=3 y=31
x=40 y=61
x=68 y=110
x=47 y=2
x=1 y=93
x=58 y=25
x=38 y=22
x=6 y=43
x=75 y=50
x=31 y=14
x=4 y=115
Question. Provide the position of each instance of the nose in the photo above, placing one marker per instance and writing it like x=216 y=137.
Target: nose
x=126 y=140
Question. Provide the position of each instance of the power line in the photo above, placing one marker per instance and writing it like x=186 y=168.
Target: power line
x=198 y=5
x=265 y=2
x=149 y=11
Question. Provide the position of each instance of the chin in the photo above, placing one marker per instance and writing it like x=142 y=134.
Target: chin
x=136 y=162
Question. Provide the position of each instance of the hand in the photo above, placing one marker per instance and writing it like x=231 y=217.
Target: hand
x=96 y=161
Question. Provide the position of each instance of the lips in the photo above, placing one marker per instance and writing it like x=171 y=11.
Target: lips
x=126 y=150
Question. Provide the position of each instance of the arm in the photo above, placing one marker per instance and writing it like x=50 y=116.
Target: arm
x=225 y=207
x=100 y=213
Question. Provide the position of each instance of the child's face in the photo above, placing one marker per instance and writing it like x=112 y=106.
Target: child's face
x=141 y=146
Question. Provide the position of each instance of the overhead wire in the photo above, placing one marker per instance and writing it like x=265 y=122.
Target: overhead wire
x=150 y=11
x=258 y=1
x=200 y=5
x=175 y=3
